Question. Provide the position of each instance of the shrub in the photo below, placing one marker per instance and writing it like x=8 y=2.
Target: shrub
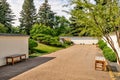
x=68 y=42
x=32 y=44
x=102 y=44
x=100 y=41
x=49 y=40
x=106 y=49
x=109 y=54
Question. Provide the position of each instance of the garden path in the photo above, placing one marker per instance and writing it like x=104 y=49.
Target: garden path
x=73 y=63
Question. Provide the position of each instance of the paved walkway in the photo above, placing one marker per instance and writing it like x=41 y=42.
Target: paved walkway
x=74 y=63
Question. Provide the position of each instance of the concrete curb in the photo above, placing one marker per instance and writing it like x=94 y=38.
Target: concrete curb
x=111 y=73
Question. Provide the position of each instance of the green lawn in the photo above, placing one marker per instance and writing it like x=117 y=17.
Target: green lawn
x=43 y=49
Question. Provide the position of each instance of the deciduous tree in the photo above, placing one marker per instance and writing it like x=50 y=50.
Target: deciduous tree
x=104 y=15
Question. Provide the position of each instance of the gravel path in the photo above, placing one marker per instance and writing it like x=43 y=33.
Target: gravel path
x=73 y=63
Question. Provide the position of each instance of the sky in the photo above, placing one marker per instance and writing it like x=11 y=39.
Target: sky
x=56 y=6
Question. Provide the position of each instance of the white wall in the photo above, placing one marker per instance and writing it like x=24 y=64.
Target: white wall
x=83 y=40
x=114 y=38
x=10 y=45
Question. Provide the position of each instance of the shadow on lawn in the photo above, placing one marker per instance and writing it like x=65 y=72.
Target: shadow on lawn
x=37 y=52
x=9 y=71
x=40 y=51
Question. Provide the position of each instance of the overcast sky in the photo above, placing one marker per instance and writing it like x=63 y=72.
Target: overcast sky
x=56 y=6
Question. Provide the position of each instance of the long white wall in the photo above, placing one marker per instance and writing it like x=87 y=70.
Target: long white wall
x=82 y=40
x=10 y=45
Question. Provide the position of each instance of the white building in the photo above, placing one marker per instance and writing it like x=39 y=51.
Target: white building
x=11 y=44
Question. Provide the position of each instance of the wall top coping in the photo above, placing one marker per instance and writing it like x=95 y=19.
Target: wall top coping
x=14 y=35
x=78 y=37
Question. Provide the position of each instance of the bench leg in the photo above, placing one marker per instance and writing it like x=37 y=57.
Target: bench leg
x=7 y=61
x=95 y=65
x=104 y=66
x=12 y=61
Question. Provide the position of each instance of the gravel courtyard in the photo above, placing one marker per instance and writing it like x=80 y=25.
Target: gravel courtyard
x=73 y=63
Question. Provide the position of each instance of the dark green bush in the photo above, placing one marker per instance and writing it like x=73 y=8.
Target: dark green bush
x=68 y=42
x=49 y=40
x=102 y=44
x=100 y=41
x=32 y=44
x=107 y=52
x=106 y=49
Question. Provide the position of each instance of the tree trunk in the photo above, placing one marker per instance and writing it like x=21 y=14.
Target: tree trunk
x=111 y=43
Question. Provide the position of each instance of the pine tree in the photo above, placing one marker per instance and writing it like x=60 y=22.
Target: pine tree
x=28 y=16
x=46 y=15
x=6 y=15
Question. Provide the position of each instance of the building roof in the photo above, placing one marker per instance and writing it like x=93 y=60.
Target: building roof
x=5 y=34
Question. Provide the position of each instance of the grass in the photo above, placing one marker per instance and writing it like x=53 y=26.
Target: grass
x=43 y=49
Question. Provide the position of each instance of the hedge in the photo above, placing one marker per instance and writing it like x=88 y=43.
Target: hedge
x=107 y=52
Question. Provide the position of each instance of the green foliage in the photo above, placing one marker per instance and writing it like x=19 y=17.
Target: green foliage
x=28 y=16
x=3 y=29
x=108 y=52
x=46 y=35
x=102 y=44
x=46 y=15
x=49 y=40
x=6 y=15
x=42 y=29
x=32 y=45
x=98 y=19
x=61 y=25
x=68 y=42
x=15 y=30
x=82 y=23
x=42 y=49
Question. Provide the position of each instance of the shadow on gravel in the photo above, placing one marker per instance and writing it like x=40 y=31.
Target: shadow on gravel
x=114 y=68
x=9 y=71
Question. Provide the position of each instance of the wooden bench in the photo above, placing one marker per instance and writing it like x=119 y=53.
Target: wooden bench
x=100 y=62
x=16 y=56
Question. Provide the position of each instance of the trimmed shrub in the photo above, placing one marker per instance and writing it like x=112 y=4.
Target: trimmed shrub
x=32 y=44
x=68 y=42
x=102 y=44
x=107 y=52
x=49 y=40
x=100 y=41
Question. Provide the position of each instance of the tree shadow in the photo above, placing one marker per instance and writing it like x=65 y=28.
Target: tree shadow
x=9 y=71
x=40 y=51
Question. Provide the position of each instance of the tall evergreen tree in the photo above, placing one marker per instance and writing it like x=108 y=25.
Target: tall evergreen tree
x=46 y=15
x=28 y=16
x=6 y=15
